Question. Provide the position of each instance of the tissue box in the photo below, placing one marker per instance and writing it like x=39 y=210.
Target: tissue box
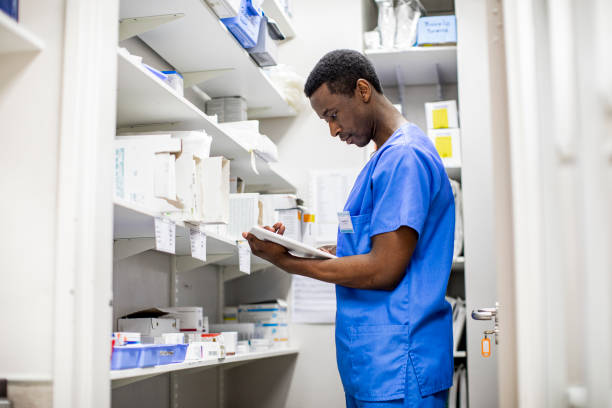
x=441 y=115
x=448 y=145
x=437 y=30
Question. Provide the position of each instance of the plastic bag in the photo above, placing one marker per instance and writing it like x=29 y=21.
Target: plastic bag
x=407 y=15
x=386 y=23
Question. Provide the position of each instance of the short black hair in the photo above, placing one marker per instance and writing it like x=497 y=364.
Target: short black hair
x=340 y=70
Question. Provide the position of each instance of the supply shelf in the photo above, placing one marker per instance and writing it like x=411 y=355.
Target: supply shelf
x=417 y=65
x=273 y=9
x=15 y=38
x=199 y=42
x=134 y=232
x=120 y=378
x=144 y=103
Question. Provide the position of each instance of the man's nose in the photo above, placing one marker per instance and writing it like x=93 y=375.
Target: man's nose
x=334 y=129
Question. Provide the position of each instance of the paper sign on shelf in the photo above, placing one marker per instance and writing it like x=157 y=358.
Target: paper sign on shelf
x=197 y=239
x=165 y=233
x=244 y=257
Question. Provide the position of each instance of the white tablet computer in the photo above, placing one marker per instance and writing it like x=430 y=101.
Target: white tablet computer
x=295 y=248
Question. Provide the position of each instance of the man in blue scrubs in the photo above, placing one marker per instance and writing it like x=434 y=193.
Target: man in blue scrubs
x=395 y=246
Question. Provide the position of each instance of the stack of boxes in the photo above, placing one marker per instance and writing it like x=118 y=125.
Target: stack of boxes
x=270 y=319
x=443 y=130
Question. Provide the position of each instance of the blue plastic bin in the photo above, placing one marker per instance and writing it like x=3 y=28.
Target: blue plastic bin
x=125 y=357
x=10 y=7
x=157 y=354
x=180 y=353
x=245 y=26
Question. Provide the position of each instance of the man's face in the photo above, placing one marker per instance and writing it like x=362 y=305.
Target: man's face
x=346 y=116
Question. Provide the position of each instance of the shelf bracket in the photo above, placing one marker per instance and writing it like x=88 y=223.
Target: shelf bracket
x=130 y=27
x=186 y=263
x=439 y=84
x=127 y=247
x=401 y=87
x=197 y=77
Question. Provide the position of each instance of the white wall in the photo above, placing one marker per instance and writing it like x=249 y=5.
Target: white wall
x=29 y=158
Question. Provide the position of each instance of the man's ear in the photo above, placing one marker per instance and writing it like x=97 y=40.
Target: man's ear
x=364 y=90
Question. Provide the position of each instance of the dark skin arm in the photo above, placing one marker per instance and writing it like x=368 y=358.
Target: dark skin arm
x=382 y=268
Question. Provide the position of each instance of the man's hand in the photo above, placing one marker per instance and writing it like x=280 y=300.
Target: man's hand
x=267 y=250
x=330 y=249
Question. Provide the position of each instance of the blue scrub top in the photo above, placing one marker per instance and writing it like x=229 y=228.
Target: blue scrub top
x=390 y=343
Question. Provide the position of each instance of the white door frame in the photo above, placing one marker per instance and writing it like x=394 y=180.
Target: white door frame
x=83 y=289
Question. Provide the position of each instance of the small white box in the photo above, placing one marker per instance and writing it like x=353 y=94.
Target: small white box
x=246 y=331
x=149 y=326
x=165 y=176
x=192 y=317
x=278 y=333
x=230 y=340
x=448 y=145
x=272 y=203
x=441 y=115
x=215 y=174
x=173 y=338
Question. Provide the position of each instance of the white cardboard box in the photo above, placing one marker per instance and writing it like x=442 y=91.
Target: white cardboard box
x=292 y=219
x=191 y=317
x=215 y=174
x=149 y=326
x=269 y=312
x=448 y=145
x=244 y=214
x=441 y=115
x=271 y=203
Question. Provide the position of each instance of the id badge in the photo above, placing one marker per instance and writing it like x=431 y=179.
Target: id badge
x=344 y=220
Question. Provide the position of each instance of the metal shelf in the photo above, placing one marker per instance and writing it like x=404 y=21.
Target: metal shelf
x=416 y=65
x=198 y=42
x=121 y=378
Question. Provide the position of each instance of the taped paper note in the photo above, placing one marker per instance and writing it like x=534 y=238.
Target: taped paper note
x=244 y=257
x=197 y=239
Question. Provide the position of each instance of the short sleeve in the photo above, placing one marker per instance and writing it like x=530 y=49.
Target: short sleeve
x=402 y=185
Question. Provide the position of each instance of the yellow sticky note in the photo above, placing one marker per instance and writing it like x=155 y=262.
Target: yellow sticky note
x=440 y=118
x=444 y=146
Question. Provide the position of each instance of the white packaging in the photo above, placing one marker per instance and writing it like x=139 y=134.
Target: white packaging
x=173 y=338
x=292 y=220
x=149 y=326
x=230 y=340
x=441 y=115
x=125 y=338
x=244 y=214
x=225 y=8
x=242 y=347
x=192 y=317
x=165 y=176
x=269 y=312
x=267 y=149
x=308 y=228
x=246 y=331
x=230 y=314
x=245 y=132
x=448 y=145
x=135 y=169
x=214 y=174
x=277 y=333
x=195 y=351
x=271 y=203
x=259 y=345
x=214 y=345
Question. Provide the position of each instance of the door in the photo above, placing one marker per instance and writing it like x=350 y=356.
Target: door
x=487 y=198
x=560 y=104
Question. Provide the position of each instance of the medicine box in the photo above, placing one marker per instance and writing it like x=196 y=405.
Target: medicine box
x=441 y=115
x=191 y=317
x=246 y=331
x=265 y=312
x=448 y=145
x=149 y=326
x=278 y=333
x=292 y=220
x=437 y=30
